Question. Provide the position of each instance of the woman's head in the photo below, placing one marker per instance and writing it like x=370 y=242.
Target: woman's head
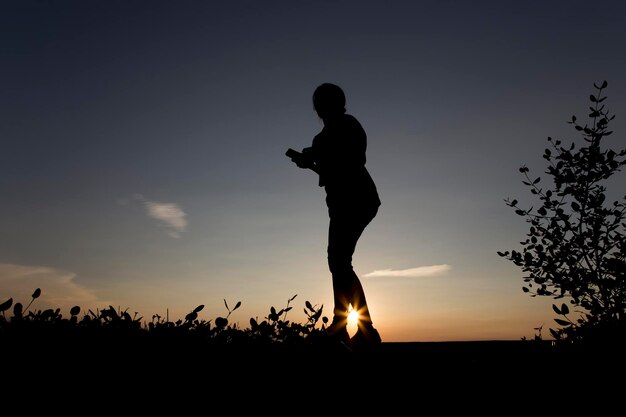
x=329 y=101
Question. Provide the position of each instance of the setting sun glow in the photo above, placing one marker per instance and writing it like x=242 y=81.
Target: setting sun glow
x=353 y=321
x=172 y=188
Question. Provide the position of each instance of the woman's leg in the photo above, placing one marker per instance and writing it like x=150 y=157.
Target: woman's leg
x=343 y=235
x=358 y=300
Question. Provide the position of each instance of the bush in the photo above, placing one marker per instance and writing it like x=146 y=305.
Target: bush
x=113 y=325
x=575 y=248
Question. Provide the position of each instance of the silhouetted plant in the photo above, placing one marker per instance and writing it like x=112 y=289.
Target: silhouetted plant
x=17 y=311
x=35 y=296
x=288 y=308
x=575 y=247
x=222 y=322
x=191 y=317
x=277 y=330
x=114 y=325
x=6 y=305
x=538 y=335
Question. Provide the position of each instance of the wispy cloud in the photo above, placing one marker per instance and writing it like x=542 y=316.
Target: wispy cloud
x=417 y=272
x=58 y=288
x=169 y=215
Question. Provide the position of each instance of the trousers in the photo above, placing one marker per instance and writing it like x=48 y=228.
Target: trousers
x=344 y=231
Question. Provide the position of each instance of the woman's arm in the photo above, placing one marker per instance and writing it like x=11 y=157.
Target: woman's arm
x=308 y=155
x=304 y=159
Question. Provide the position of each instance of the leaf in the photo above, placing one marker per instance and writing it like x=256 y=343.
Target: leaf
x=198 y=309
x=253 y=323
x=308 y=305
x=564 y=309
x=75 y=311
x=191 y=316
x=555 y=334
x=221 y=322
x=563 y=322
x=542 y=211
x=226 y=304
x=520 y=212
x=575 y=206
x=272 y=310
x=293 y=298
x=112 y=312
x=6 y=305
x=604 y=84
x=537 y=180
x=17 y=309
x=288 y=309
x=593 y=98
x=556 y=309
x=525 y=289
x=37 y=293
x=237 y=305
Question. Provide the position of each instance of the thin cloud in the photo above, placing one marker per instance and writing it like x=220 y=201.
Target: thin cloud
x=417 y=272
x=58 y=288
x=169 y=215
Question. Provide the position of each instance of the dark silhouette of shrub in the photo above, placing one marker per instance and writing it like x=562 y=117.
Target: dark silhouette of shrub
x=575 y=248
x=277 y=329
x=114 y=324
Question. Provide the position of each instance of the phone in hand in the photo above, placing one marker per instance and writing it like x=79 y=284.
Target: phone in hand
x=291 y=153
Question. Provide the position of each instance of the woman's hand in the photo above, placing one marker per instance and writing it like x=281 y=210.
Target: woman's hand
x=303 y=162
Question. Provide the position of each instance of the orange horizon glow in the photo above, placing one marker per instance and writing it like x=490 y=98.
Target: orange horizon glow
x=423 y=310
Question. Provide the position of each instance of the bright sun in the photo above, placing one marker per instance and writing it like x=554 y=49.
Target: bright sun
x=353 y=318
x=353 y=322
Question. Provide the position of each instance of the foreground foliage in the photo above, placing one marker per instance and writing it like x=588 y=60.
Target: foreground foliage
x=111 y=324
x=575 y=249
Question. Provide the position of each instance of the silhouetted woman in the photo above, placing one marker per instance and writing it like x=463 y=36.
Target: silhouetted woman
x=338 y=157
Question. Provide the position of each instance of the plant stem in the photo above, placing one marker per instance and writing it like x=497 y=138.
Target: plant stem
x=26 y=309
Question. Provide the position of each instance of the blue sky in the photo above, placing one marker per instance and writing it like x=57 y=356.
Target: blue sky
x=143 y=150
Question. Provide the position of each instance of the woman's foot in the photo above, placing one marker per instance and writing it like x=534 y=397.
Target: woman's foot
x=366 y=336
x=338 y=331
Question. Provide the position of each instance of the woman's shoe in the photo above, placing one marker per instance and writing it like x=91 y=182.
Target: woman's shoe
x=367 y=336
x=338 y=332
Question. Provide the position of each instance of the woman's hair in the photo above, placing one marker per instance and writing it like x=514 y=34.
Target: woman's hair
x=329 y=99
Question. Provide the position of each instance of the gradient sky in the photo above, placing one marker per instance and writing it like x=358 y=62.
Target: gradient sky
x=143 y=144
